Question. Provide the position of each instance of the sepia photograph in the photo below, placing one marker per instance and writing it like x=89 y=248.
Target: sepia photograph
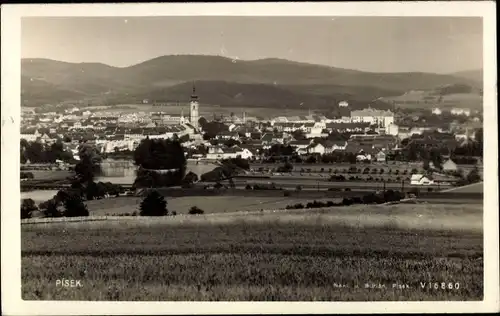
x=252 y=157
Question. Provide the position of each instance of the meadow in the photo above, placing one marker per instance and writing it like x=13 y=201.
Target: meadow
x=181 y=205
x=341 y=254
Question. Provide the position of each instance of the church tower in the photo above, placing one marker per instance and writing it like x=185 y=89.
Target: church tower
x=193 y=109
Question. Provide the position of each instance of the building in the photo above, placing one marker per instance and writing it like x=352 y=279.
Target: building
x=220 y=152
x=457 y=111
x=380 y=118
x=392 y=129
x=316 y=149
x=381 y=156
x=437 y=111
x=194 y=110
x=419 y=179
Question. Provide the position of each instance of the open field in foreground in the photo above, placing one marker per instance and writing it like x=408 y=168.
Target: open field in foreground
x=341 y=254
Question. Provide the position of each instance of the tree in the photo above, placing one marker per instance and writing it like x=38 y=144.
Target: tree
x=473 y=176
x=298 y=134
x=153 y=204
x=160 y=154
x=28 y=206
x=74 y=206
x=51 y=208
x=231 y=142
x=89 y=165
x=231 y=183
x=190 y=177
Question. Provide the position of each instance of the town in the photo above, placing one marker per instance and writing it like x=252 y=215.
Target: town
x=362 y=136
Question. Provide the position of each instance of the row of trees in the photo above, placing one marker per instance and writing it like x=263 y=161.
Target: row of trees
x=36 y=152
x=370 y=198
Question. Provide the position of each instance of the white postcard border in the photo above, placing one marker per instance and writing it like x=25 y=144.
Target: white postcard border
x=11 y=259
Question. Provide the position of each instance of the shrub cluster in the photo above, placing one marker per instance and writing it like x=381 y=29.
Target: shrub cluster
x=270 y=186
x=371 y=198
x=195 y=210
x=28 y=206
x=27 y=175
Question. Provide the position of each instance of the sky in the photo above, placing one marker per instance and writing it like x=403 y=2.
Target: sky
x=375 y=44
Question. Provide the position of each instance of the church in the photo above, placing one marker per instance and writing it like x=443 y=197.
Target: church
x=162 y=119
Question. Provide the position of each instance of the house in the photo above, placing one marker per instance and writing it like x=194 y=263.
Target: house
x=343 y=104
x=381 y=156
x=449 y=165
x=332 y=145
x=219 y=152
x=300 y=144
x=437 y=111
x=392 y=129
x=457 y=111
x=419 y=179
x=317 y=148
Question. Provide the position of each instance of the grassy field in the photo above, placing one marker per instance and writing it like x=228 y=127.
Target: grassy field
x=50 y=174
x=473 y=188
x=181 y=205
x=346 y=254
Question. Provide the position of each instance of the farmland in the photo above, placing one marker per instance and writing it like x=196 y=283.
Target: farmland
x=345 y=253
x=181 y=205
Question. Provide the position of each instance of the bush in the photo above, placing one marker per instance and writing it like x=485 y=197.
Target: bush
x=51 y=208
x=347 y=189
x=174 y=213
x=392 y=196
x=334 y=189
x=28 y=206
x=74 y=206
x=357 y=200
x=286 y=193
x=346 y=201
x=299 y=206
x=330 y=203
x=195 y=210
x=430 y=189
x=473 y=176
x=248 y=187
x=154 y=204
x=27 y=175
x=414 y=191
x=298 y=188
x=337 y=178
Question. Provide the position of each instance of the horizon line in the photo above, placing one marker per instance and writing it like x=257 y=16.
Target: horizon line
x=251 y=60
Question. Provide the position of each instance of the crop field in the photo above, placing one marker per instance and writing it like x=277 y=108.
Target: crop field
x=346 y=254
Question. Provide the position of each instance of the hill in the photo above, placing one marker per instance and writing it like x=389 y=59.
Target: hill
x=456 y=95
x=475 y=75
x=150 y=77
